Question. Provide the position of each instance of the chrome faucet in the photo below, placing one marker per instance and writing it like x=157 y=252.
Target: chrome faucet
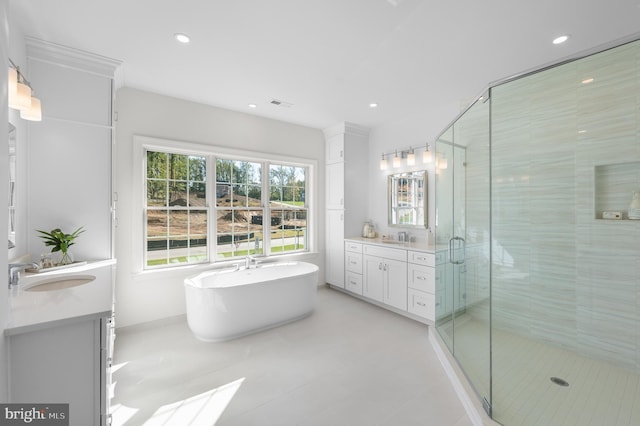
x=14 y=271
x=251 y=261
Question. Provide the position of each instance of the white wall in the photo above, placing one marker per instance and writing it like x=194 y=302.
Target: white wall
x=147 y=296
x=413 y=131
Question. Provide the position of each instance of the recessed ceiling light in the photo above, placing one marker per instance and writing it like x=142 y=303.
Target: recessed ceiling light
x=373 y=105
x=182 y=38
x=253 y=106
x=561 y=39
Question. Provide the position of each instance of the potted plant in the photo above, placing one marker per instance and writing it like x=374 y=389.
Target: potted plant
x=60 y=242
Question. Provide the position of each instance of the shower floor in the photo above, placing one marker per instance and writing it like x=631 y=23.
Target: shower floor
x=599 y=393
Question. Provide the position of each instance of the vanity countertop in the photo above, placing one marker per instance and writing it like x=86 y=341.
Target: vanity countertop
x=423 y=247
x=36 y=310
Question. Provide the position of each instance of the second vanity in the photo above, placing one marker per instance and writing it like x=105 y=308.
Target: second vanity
x=398 y=276
x=60 y=340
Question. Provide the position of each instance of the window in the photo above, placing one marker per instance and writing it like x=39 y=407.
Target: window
x=287 y=185
x=176 y=211
x=258 y=207
x=239 y=208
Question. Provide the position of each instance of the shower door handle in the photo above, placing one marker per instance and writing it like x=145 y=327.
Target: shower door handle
x=457 y=254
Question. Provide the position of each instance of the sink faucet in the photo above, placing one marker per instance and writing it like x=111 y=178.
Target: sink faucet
x=14 y=271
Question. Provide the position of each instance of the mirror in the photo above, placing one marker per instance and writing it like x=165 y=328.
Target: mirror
x=12 y=186
x=408 y=199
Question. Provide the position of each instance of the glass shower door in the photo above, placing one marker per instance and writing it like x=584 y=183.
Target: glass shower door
x=463 y=244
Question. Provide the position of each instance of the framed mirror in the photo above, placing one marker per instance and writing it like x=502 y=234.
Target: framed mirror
x=408 y=199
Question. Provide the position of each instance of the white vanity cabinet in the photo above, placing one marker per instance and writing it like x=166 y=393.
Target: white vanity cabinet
x=66 y=363
x=346 y=170
x=354 y=267
x=399 y=277
x=385 y=275
x=421 y=284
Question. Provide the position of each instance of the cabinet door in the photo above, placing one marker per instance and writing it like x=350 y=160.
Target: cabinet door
x=395 y=292
x=373 y=286
x=335 y=149
x=335 y=186
x=334 y=250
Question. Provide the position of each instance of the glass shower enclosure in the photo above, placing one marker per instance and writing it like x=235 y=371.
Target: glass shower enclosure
x=537 y=256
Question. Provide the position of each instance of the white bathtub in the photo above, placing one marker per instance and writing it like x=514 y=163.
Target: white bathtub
x=227 y=303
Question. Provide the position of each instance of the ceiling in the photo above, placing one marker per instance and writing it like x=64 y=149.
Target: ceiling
x=329 y=58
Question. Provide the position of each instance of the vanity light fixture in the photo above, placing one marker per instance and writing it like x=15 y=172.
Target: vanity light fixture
x=397 y=161
x=427 y=157
x=20 y=95
x=411 y=157
x=384 y=164
x=253 y=106
x=373 y=105
x=34 y=113
x=587 y=81
x=441 y=162
x=408 y=153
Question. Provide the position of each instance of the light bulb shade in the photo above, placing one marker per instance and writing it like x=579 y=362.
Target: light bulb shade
x=444 y=163
x=397 y=161
x=384 y=164
x=34 y=113
x=427 y=157
x=22 y=100
x=12 y=85
x=411 y=159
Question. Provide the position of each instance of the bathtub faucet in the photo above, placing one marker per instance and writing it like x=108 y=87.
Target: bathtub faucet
x=251 y=261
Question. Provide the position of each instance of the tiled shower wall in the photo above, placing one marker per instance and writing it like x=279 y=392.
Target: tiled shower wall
x=565 y=146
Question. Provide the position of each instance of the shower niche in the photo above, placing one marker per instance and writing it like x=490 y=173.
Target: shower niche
x=614 y=185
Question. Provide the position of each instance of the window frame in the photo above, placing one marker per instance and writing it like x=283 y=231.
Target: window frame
x=211 y=152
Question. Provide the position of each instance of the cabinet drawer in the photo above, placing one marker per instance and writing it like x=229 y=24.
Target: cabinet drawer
x=387 y=253
x=354 y=262
x=422 y=258
x=353 y=246
x=422 y=278
x=353 y=283
x=422 y=304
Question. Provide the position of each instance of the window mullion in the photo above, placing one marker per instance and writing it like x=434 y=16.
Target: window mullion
x=266 y=209
x=212 y=209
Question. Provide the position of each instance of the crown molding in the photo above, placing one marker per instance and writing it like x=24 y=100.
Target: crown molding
x=72 y=58
x=346 y=128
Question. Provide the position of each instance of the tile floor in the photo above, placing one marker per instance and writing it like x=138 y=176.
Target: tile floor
x=349 y=363
x=599 y=392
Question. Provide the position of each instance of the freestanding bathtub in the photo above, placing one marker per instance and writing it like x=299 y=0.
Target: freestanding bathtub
x=227 y=303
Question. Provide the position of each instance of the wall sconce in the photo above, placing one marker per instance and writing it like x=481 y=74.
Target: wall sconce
x=20 y=95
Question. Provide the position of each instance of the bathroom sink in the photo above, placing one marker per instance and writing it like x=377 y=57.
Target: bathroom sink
x=58 y=283
x=392 y=242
